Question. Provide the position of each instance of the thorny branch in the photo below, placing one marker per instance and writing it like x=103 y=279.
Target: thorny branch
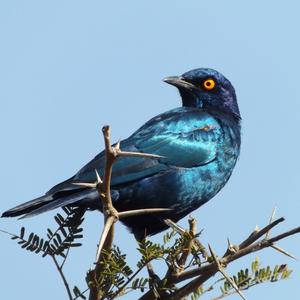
x=111 y=215
x=249 y=245
x=66 y=284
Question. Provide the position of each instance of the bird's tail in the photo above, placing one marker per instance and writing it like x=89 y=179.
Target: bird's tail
x=27 y=207
x=78 y=197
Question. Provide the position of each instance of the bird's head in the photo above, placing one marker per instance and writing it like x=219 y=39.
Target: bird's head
x=206 y=88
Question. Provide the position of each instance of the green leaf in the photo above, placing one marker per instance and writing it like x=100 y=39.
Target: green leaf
x=49 y=232
x=22 y=232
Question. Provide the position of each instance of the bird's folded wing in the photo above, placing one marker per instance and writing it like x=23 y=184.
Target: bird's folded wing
x=183 y=142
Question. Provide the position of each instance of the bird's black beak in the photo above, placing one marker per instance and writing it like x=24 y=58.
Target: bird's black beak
x=179 y=82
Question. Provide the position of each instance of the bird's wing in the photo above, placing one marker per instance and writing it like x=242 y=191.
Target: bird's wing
x=185 y=137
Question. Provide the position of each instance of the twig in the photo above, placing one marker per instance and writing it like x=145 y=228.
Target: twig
x=189 y=243
x=110 y=214
x=257 y=234
x=174 y=226
x=62 y=277
x=224 y=295
x=284 y=235
x=11 y=234
x=65 y=258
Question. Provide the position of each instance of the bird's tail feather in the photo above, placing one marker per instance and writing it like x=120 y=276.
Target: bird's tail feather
x=27 y=206
x=48 y=202
x=85 y=197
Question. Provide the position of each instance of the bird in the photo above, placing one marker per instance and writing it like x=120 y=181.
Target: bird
x=198 y=144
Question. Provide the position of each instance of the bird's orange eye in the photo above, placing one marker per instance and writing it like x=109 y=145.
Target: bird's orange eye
x=209 y=84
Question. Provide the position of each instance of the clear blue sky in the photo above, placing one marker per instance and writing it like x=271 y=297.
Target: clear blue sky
x=68 y=67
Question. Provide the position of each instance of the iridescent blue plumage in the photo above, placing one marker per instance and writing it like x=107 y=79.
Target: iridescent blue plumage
x=200 y=142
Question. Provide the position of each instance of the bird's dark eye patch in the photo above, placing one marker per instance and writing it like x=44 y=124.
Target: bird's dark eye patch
x=209 y=84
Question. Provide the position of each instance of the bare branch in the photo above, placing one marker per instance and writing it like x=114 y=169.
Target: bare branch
x=284 y=235
x=174 y=226
x=189 y=243
x=61 y=273
x=110 y=214
x=258 y=234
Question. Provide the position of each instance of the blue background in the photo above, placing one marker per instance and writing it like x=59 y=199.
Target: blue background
x=68 y=67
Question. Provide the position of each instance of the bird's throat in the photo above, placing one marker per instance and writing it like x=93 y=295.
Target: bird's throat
x=190 y=100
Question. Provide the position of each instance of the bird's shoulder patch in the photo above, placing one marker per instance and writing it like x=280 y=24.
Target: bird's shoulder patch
x=207 y=128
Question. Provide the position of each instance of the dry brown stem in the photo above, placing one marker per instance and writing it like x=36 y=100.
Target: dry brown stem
x=111 y=215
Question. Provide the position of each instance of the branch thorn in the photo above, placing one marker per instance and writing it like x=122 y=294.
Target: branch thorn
x=85 y=184
x=283 y=252
x=108 y=224
x=270 y=221
x=99 y=180
x=222 y=271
